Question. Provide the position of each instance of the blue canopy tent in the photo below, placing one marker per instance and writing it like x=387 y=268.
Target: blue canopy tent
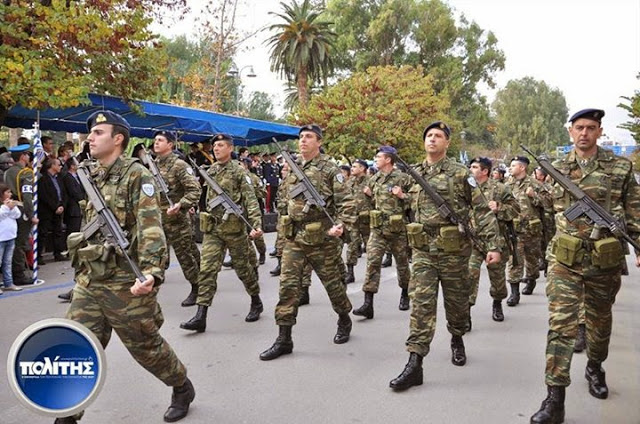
x=192 y=125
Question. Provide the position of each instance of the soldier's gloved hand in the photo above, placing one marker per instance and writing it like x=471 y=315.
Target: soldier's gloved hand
x=145 y=287
x=255 y=233
x=336 y=230
x=493 y=258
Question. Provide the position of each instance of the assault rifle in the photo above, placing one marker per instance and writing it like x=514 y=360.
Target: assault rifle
x=304 y=187
x=162 y=185
x=584 y=205
x=222 y=198
x=444 y=209
x=105 y=221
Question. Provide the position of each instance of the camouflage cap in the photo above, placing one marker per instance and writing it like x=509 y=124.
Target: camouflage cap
x=440 y=125
x=107 y=117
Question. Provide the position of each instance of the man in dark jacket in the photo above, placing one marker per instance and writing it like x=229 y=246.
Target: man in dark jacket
x=75 y=193
x=53 y=198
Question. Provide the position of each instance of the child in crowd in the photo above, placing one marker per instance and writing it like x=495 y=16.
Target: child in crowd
x=9 y=213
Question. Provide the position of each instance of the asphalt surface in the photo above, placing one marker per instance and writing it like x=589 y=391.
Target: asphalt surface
x=503 y=381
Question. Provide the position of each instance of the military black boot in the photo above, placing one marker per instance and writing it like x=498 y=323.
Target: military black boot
x=73 y=419
x=228 y=264
x=276 y=271
x=199 y=322
x=66 y=296
x=304 y=297
x=262 y=258
x=181 y=398
x=350 y=278
x=387 y=261
x=273 y=253
x=531 y=284
x=404 y=300
x=193 y=296
x=496 y=311
x=514 y=298
x=581 y=340
x=366 y=310
x=552 y=409
x=458 y=355
x=256 y=309
x=344 y=329
x=282 y=346
x=595 y=376
x=411 y=375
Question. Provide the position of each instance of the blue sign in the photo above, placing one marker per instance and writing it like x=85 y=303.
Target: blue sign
x=56 y=367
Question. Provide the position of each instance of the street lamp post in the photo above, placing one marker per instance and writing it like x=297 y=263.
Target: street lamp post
x=237 y=73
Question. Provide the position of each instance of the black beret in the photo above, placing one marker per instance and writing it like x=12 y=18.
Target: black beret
x=221 y=136
x=522 y=159
x=313 y=128
x=345 y=168
x=486 y=162
x=500 y=170
x=390 y=150
x=169 y=135
x=107 y=117
x=362 y=162
x=440 y=125
x=544 y=172
x=592 y=114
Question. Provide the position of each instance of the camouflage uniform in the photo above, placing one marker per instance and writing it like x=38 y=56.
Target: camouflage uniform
x=359 y=230
x=185 y=189
x=431 y=263
x=609 y=180
x=528 y=226
x=20 y=180
x=315 y=247
x=548 y=224
x=102 y=300
x=388 y=232
x=261 y=246
x=508 y=210
x=232 y=233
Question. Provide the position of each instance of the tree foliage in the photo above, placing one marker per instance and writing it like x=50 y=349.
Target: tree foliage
x=633 y=109
x=260 y=106
x=532 y=113
x=385 y=105
x=54 y=52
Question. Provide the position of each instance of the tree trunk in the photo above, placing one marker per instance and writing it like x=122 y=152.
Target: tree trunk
x=303 y=87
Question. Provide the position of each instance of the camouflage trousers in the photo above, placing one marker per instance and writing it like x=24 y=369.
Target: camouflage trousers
x=359 y=234
x=565 y=292
x=214 y=247
x=261 y=246
x=103 y=307
x=379 y=243
x=180 y=236
x=497 y=277
x=325 y=262
x=306 y=275
x=529 y=255
x=431 y=269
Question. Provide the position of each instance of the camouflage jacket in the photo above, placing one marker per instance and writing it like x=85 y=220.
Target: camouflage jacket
x=129 y=191
x=508 y=207
x=325 y=176
x=257 y=185
x=608 y=179
x=237 y=184
x=451 y=181
x=530 y=207
x=382 y=197
x=184 y=188
x=281 y=200
x=19 y=178
x=362 y=202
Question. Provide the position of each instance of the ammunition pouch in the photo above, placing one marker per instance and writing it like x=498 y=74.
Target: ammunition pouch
x=375 y=219
x=607 y=253
x=232 y=225
x=363 y=217
x=286 y=226
x=396 y=223
x=415 y=235
x=75 y=241
x=99 y=259
x=450 y=239
x=206 y=222
x=314 y=234
x=568 y=250
x=535 y=225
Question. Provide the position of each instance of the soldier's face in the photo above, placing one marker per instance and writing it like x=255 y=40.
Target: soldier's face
x=516 y=169
x=436 y=141
x=161 y=145
x=357 y=170
x=309 y=143
x=585 y=134
x=476 y=170
x=101 y=141
x=222 y=150
x=381 y=160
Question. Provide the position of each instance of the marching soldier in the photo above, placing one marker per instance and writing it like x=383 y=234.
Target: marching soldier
x=312 y=238
x=359 y=231
x=261 y=246
x=388 y=228
x=441 y=252
x=221 y=234
x=586 y=262
x=105 y=296
x=184 y=192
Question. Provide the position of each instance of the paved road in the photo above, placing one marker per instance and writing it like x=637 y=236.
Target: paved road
x=321 y=382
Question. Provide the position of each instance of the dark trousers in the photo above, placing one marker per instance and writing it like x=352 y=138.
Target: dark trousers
x=52 y=235
x=19 y=263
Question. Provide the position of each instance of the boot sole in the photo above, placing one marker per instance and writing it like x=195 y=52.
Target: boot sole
x=407 y=387
x=270 y=358
x=197 y=330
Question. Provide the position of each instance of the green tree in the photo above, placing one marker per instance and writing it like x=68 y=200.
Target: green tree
x=261 y=106
x=54 y=52
x=382 y=106
x=532 y=113
x=633 y=109
x=301 y=47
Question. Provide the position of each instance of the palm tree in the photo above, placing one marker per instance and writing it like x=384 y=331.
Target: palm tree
x=301 y=46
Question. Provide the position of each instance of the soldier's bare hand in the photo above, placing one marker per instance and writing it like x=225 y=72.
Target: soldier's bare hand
x=34 y=220
x=493 y=258
x=530 y=192
x=397 y=191
x=145 y=287
x=255 y=233
x=367 y=191
x=174 y=209
x=638 y=261
x=493 y=205
x=336 y=230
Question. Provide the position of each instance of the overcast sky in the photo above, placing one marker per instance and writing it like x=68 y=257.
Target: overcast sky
x=588 y=49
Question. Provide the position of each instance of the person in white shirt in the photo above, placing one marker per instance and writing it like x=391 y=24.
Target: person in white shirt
x=9 y=213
